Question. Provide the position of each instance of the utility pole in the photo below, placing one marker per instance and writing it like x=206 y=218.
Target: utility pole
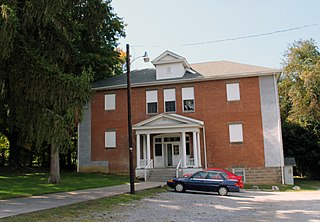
x=132 y=191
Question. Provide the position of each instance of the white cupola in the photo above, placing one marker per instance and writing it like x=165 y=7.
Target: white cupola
x=170 y=65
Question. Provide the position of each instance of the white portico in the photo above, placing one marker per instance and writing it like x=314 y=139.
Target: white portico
x=168 y=141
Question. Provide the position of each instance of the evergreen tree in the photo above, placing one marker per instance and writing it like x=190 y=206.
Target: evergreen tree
x=50 y=51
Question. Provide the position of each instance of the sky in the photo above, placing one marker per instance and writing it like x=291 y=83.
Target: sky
x=200 y=30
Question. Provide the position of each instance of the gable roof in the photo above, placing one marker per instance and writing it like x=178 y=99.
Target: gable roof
x=170 y=57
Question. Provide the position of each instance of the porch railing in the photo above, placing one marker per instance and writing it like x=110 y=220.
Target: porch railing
x=148 y=166
x=177 y=169
x=190 y=162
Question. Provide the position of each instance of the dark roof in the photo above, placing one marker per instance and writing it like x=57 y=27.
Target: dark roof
x=289 y=161
x=139 y=76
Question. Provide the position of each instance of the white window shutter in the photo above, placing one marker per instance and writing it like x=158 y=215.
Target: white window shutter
x=169 y=95
x=110 y=101
x=233 y=92
x=110 y=139
x=187 y=93
x=235 y=133
x=152 y=96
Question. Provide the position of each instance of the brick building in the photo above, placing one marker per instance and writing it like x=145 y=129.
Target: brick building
x=186 y=117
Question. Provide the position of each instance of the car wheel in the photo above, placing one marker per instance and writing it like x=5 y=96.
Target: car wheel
x=223 y=191
x=179 y=187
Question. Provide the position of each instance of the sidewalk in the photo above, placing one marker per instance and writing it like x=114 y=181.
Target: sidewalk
x=16 y=206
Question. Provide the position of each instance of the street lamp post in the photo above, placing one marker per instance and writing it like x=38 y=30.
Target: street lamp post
x=146 y=59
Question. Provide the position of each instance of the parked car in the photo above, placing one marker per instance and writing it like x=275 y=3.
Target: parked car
x=226 y=173
x=206 y=180
x=231 y=176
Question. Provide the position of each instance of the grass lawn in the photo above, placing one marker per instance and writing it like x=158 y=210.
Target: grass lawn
x=14 y=184
x=83 y=211
x=304 y=184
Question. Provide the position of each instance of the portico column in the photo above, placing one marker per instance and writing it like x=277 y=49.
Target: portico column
x=184 y=155
x=144 y=149
x=148 y=148
x=138 y=151
x=195 y=149
x=199 y=151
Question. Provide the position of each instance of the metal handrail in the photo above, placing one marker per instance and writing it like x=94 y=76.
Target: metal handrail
x=145 y=169
x=177 y=169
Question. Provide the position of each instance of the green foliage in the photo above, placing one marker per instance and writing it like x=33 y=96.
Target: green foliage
x=299 y=90
x=50 y=52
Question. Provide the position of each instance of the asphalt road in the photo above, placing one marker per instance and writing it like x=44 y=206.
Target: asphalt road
x=198 y=206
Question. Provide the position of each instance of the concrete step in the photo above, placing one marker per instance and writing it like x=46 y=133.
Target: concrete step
x=162 y=174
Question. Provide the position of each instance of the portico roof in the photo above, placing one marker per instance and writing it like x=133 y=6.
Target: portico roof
x=168 y=123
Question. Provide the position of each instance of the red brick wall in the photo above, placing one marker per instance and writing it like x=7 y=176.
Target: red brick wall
x=211 y=106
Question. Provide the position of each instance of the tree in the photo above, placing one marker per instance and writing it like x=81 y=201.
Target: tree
x=300 y=103
x=50 y=52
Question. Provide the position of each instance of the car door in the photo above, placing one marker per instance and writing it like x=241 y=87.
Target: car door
x=213 y=180
x=197 y=181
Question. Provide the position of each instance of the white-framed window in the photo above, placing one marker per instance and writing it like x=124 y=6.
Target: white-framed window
x=235 y=133
x=152 y=101
x=240 y=172
x=169 y=100
x=233 y=91
x=110 y=101
x=188 y=99
x=110 y=139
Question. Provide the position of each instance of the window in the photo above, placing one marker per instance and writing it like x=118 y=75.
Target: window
x=235 y=133
x=176 y=149
x=152 y=101
x=110 y=139
x=188 y=145
x=240 y=172
x=233 y=92
x=170 y=100
x=188 y=99
x=110 y=101
x=200 y=175
x=158 y=149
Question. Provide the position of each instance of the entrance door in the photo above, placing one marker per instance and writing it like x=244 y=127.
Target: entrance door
x=176 y=154
x=169 y=156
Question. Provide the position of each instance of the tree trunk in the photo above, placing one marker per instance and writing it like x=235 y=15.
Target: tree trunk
x=14 y=151
x=54 y=177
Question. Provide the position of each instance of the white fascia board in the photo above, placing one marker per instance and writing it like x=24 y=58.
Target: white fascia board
x=179 y=117
x=199 y=79
x=167 y=130
x=167 y=127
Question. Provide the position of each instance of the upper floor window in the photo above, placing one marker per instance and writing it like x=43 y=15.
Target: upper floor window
x=152 y=101
x=170 y=100
x=188 y=99
x=233 y=92
x=235 y=133
x=110 y=101
x=110 y=139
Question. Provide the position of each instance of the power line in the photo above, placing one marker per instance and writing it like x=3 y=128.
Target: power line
x=250 y=36
x=235 y=38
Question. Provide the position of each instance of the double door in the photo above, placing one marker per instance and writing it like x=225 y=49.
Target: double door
x=167 y=155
